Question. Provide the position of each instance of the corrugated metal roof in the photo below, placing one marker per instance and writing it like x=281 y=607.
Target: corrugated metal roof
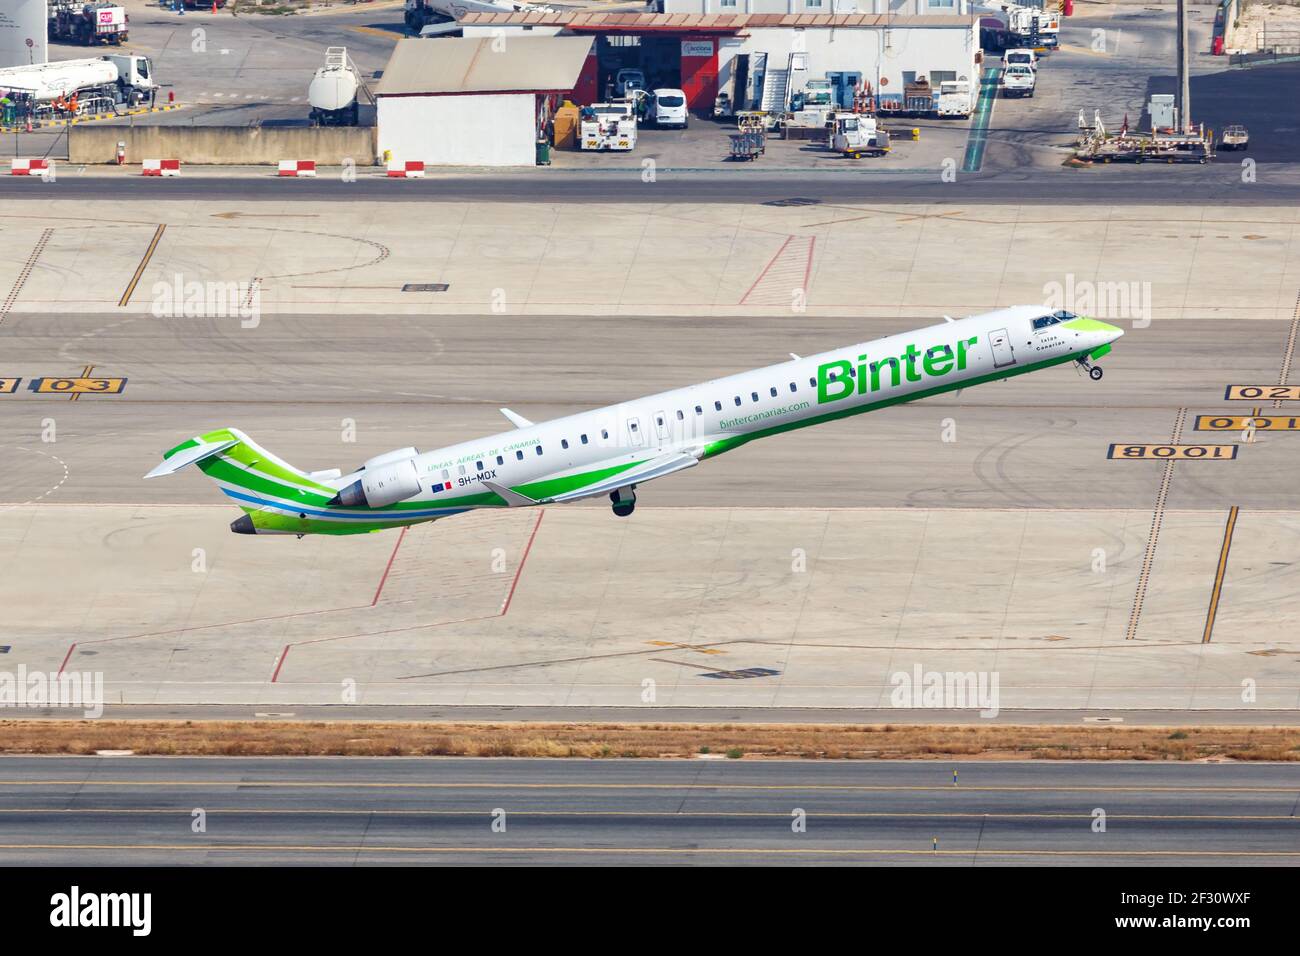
x=471 y=65
x=718 y=22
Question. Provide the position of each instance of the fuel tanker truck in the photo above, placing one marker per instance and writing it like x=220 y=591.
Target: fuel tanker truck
x=123 y=78
x=333 y=91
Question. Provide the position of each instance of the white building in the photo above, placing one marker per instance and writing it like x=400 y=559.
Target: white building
x=474 y=101
x=759 y=59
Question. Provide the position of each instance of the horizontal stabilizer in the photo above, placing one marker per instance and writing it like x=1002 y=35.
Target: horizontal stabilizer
x=189 y=456
x=516 y=419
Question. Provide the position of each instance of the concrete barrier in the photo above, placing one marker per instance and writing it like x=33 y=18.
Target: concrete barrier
x=224 y=145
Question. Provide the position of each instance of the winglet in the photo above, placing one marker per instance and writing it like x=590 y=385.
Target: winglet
x=949 y=318
x=513 y=498
x=516 y=419
x=796 y=357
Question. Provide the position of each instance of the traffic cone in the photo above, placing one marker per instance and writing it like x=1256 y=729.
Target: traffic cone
x=214 y=6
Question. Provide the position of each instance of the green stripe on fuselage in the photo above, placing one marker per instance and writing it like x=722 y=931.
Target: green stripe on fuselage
x=727 y=444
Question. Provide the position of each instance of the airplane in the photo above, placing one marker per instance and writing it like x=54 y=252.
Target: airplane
x=611 y=451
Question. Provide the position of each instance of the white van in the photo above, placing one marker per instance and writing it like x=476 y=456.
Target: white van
x=1020 y=57
x=668 y=108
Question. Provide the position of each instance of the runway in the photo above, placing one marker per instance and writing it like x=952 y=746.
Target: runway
x=1216 y=184
x=359 y=811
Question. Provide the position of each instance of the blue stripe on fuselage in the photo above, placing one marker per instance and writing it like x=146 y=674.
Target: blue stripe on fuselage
x=373 y=516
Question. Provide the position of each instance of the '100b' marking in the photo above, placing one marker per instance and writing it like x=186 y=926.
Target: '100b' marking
x=1174 y=452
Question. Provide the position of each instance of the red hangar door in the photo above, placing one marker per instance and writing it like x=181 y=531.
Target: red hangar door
x=700 y=73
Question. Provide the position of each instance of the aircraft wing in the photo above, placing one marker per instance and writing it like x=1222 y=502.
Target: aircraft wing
x=646 y=471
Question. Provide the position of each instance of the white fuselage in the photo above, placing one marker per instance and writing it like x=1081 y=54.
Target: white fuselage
x=707 y=419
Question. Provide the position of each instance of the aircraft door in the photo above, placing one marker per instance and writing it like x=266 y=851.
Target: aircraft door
x=1003 y=353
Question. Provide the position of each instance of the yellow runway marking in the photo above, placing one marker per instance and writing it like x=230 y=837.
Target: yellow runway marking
x=1218 y=575
x=643 y=850
x=376 y=32
x=85 y=373
x=139 y=271
x=757 y=814
x=503 y=784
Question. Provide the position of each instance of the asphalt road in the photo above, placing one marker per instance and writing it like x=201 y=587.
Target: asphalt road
x=358 y=811
x=1142 y=185
x=685 y=715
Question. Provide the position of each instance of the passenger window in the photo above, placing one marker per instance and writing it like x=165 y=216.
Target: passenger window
x=737 y=399
x=584 y=439
x=659 y=420
x=680 y=416
x=500 y=460
x=460 y=469
x=478 y=465
x=520 y=454
x=539 y=449
x=632 y=425
x=812 y=383
x=445 y=474
x=774 y=391
x=753 y=396
x=794 y=387
x=604 y=433
x=564 y=443
x=717 y=406
x=698 y=410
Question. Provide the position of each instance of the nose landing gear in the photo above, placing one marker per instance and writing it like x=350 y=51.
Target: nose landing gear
x=624 y=501
x=1094 y=371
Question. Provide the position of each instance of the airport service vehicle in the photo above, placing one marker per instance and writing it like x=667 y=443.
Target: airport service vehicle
x=611 y=451
x=421 y=13
x=856 y=135
x=607 y=126
x=1234 y=137
x=333 y=91
x=122 y=77
x=1018 y=81
x=1020 y=56
x=668 y=108
x=1004 y=23
x=956 y=98
x=627 y=80
x=87 y=23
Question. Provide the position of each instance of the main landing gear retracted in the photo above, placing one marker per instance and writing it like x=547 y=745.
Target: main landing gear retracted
x=1094 y=371
x=624 y=501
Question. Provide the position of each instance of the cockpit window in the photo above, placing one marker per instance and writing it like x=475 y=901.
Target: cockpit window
x=1053 y=319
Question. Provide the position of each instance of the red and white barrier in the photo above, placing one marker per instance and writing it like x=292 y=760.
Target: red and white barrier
x=28 y=167
x=412 y=169
x=297 y=167
x=161 y=167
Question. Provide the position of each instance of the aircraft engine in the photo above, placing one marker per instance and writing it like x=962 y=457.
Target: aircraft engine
x=384 y=484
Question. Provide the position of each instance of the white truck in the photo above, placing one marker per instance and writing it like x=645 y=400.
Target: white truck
x=124 y=78
x=1018 y=80
x=608 y=126
x=333 y=91
x=856 y=135
x=1024 y=25
x=87 y=23
x=956 y=98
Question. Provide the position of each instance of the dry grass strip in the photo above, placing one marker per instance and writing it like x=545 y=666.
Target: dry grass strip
x=596 y=740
